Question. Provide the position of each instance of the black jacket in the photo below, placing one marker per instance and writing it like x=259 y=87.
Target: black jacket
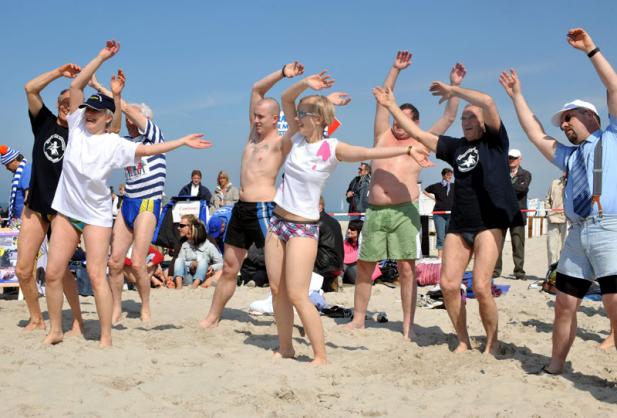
x=521 y=183
x=330 y=250
x=204 y=193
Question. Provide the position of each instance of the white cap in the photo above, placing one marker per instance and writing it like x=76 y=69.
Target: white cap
x=556 y=119
x=514 y=153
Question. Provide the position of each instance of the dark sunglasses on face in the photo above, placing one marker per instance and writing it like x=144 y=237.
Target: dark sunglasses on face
x=180 y=226
x=302 y=114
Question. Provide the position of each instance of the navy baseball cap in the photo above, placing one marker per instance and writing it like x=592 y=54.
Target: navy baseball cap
x=99 y=102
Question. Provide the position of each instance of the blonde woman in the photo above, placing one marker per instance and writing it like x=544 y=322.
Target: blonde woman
x=225 y=194
x=291 y=243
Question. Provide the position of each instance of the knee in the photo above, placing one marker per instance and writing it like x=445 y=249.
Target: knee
x=565 y=304
x=406 y=270
x=24 y=272
x=482 y=291
x=96 y=275
x=116 y=264
x=296 y=297
x=230 y=266
x=138 y=264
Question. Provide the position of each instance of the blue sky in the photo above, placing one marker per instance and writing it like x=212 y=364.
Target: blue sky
x=194 y=64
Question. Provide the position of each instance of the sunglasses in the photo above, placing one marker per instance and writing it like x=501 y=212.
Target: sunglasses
x=302 y=114
x=180 y=226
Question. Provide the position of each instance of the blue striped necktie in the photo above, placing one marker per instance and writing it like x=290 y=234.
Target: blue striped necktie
x=580 y=185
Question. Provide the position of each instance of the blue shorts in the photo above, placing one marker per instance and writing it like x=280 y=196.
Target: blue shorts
x=131 y=208
x=590 y=250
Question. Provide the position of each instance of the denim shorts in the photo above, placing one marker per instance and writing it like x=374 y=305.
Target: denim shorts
x=590 y=250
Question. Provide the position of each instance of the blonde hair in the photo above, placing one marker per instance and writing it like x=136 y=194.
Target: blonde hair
x=322 y=106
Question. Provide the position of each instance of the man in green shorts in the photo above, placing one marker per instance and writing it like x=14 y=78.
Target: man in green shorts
x=392 y=222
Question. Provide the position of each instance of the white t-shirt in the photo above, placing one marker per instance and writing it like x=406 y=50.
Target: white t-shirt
x=306 y=169
x=82 y=191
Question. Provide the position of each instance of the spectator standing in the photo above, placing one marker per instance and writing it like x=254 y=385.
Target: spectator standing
x=557 y=227
x=443 y=194
x=357 y=192
x=195 y=188
x=225 y=193
x=351 y=246
x=521 y=179
x=21 y=169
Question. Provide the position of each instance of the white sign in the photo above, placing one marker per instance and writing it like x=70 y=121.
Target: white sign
x=185 y=208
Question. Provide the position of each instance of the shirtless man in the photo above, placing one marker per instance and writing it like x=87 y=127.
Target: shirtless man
x=392 y=219
x=261 y=160
x=50 y=140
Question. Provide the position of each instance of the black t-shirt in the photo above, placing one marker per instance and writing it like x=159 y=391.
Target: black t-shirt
x=443 y=199
x=484 y=197
x=50 y=140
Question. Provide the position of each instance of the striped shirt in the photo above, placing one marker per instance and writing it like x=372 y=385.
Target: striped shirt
x=146 y=180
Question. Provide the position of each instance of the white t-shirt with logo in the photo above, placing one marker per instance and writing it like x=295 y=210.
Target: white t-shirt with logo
x=82 y=191
x=306 y=170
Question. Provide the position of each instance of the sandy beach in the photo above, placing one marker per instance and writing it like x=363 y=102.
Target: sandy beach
x=171 y=367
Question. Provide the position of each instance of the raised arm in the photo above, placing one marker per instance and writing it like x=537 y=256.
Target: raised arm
x=134 y=114
x=79 y=82
x=261 y=87
x=36 y=85
x=352 y=153
x=476 y=98
x=386 y=98
x=440 y=127
x=581 y=40
x=192 y=141
x=382 y=117
x=529 y=122
x=288 y=99
x=117 y=85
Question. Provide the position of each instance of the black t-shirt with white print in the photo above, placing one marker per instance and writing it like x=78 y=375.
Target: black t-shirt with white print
x=483 y=197
x=50 y=140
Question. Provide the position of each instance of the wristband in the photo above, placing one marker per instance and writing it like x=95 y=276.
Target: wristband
x=409 y=148
x=283 y=71
x=593 y=52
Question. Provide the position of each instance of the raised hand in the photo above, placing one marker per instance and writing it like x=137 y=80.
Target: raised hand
x=442 y=90
x=339 y=98
x=580 y=39
x=195 y=141
x=384 y=96
x=402 y=60
x=117 y=83
x=421 y=157
x=111 y=49
x=293 y=69
x=510 y=82
x=319 y=81
x=69 y=70
x=457 y=74
x=93 y=82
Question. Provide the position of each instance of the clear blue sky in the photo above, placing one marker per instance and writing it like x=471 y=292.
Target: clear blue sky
x=194 y=64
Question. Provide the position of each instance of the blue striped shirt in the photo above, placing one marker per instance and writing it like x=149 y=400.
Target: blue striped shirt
x=146 y=180
x=562 y=159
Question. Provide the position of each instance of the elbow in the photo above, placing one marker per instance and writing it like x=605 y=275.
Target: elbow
x=28 y=88
x=487 y=102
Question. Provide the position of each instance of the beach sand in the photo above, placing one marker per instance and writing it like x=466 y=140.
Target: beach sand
x=171 y=367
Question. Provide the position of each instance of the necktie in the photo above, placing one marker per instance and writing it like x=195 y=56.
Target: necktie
x=580 y=186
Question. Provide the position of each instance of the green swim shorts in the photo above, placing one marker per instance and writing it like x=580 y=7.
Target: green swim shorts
x=390 y=232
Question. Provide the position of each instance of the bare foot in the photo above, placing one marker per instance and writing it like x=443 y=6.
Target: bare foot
x=409 y=336
x=105 y=342
x=77 y=330
x=492 y=350
x=278 y=354
x=35 y=325
x=145 y=315
x=462 y=347
x=195 y=284
x=207 y=323
x=608 y=343
x=53 y=338
x=207 y=282
x=352 y=326
x=319 y=361
x=116 y=317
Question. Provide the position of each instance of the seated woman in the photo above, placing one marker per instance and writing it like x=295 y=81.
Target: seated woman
x=351 y=246
x=197 y=256
x=153 y=268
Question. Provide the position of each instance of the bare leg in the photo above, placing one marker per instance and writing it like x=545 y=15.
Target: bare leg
x=362 y=294
x=122 y=238
x=226 y=286
x=97 y=240
x=300 y=253
x=31 y=236
x=456 y=256
x=409 y=294
x=64 y=240
x=179 y=283
x=72 y=296
x=610 y=304
x=145 y=223
x=486 y=249
x=564 y=330
x=283 y=309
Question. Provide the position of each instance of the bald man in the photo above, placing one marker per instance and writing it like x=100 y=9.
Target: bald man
x=261 y=160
